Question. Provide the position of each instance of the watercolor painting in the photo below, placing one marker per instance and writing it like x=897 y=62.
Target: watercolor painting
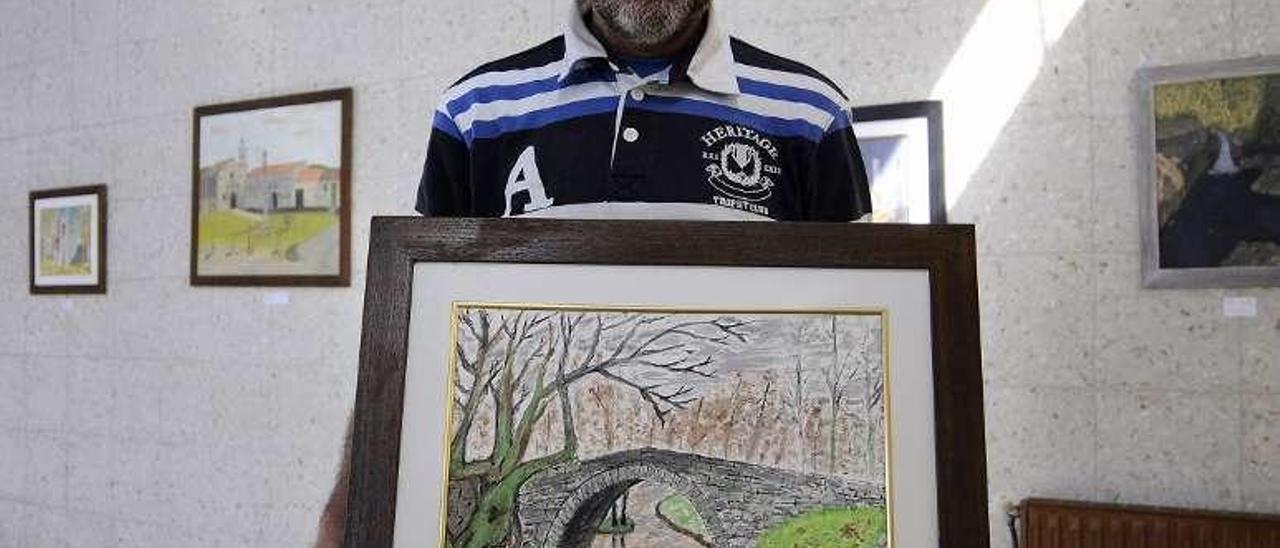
x=68 y=240
x=270 y=191
x=578 y=427
x=890 y=175
x=901 y=145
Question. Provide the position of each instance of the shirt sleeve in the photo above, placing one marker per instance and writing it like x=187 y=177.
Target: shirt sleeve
x=446 y=177
x=839 y=190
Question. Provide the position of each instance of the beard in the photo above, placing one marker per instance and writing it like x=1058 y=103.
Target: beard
x=647 y=23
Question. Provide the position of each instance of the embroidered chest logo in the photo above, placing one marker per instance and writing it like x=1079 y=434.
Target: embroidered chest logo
x=742 y=166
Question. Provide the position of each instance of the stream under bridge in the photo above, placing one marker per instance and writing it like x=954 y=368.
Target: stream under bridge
x=563 y=506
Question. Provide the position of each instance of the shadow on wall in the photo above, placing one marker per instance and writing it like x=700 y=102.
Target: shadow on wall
x=1019 y=154
x=997 y=65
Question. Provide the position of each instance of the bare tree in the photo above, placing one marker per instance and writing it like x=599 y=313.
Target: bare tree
x=795 y=393
x=520 y=363
x=729 y=424
x=841 y=371
x=605 y=402
x=872 y=401
x=758 y=426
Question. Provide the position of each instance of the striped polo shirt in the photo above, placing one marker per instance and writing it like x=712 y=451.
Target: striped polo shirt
x=726 y=132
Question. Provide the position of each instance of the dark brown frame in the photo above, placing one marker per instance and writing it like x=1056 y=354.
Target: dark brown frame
x=99 y=288
x=397 y=243
x=1049 y=522
x=931 y=111
x=343 y=278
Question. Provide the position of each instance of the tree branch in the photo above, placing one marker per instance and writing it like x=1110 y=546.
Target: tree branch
x=662 y=404
x=480 y=380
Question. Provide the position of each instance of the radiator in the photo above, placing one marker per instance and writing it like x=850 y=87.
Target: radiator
x=1061 y=524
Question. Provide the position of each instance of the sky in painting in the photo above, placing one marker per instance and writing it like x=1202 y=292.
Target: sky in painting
x=297 y=133
x=776 y=341
x=773 y=343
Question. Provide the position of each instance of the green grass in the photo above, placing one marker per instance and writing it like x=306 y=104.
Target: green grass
x=681 y=511
x=831 y=527
x=224 y=228
x=275 y=234
x=1231 y=105
x=51 y=268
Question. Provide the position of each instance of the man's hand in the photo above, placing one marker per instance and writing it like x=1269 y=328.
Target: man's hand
x=333 y=520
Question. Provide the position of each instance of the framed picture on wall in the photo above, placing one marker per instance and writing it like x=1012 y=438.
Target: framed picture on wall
x=271 y=191
x=1210 y=174
x=68 y=240
x=902 y=149
x=541 y=383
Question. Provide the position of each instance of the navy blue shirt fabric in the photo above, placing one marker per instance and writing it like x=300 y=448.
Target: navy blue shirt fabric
x=563 y=129
x=645 y=67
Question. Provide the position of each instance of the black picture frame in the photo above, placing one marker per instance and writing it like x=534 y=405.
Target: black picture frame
x=947 y=253
x=99 y=192
x=931 y=112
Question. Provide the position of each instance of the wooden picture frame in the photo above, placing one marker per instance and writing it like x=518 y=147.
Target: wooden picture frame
x=255 y=203
x=404 y=251
x=907 y=124
x=95 y=227
x=1206 y=220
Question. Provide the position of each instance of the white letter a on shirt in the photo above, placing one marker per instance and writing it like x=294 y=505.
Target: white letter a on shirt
x=525 y=176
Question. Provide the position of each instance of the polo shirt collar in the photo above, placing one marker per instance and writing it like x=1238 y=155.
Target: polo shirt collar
x=711 y=67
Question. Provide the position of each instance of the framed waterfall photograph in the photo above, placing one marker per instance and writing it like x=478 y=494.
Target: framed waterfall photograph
x=271 y=191
x=1210 y=174
x=574 y=384
x=67 y=230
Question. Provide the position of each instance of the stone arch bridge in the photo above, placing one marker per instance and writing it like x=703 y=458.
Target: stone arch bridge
x=561 y=507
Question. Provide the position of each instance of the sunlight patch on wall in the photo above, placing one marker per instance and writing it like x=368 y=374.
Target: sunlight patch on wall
x=1056 y=16
x=989 y=75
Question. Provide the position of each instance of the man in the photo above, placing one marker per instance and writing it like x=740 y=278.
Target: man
x=642 y=109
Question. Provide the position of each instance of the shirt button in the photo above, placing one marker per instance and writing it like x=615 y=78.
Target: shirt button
x=637 y=94
x=631 y=135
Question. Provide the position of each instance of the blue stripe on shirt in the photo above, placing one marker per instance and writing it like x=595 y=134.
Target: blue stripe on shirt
x=523 y=90
x=788 y=93
x=781 y=127
x=510 y=92
x=446 y=124
x=843 y=121
x=493 y=128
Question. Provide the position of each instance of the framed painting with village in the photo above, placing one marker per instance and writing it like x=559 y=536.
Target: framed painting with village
x=271 y=191
x=538 y=383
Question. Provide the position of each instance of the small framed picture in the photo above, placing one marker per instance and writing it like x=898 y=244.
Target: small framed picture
x=902 y=149
x=271 y=192
x=537 y=383
x=68 y=236
x=1210 y=174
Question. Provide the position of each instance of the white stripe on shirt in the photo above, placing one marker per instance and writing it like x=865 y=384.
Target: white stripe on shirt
x=487 y=112
x=791 y=79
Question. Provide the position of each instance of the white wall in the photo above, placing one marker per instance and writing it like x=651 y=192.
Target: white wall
x=165 y=415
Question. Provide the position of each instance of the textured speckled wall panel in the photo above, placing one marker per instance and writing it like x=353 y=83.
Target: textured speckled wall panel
x=164 y=415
